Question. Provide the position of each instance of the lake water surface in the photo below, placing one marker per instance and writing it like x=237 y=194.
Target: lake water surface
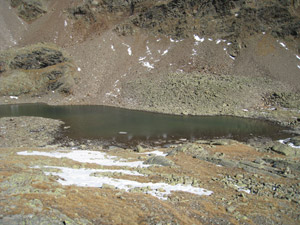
x=115 y=124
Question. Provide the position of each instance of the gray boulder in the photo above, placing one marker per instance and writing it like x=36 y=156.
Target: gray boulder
x=159 y=160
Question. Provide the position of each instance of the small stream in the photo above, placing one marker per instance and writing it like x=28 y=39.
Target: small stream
x=122 y=125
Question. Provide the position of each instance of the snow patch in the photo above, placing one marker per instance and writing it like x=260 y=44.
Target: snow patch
x=112 y=47
x=194 y=52
x=287 y=142
x=78 y=69
x=298 y=57
x=66 y=23
x=85 y=156
x=14 y=97
x=218 y=41
x=142 y=58
x=148 y=50
x=242 y=189
x=232 y=57
x=128 y=49
x=298 y=66
x=157 y=153
x=85 y=178
x=165 y=52
x=197 y=38
x=148 y=65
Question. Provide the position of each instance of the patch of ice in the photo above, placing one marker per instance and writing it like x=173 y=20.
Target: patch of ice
x=14 y=97
x=78 y=69
x=245 y=110
x=123 y=132
x=85 y=156
x=112 y=47
x=85 y=178
x=298 y=57
x=210 y=39
x=142 y=58
x=298 y=66
x=66 y=23
x=218 y=41
x=148 y=65
x=172 y=40
x=229 y=43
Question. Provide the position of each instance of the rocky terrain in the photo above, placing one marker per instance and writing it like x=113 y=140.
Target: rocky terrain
x=218 y=181
x=186 y=57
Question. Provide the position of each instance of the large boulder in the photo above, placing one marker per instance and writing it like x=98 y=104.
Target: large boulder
x=286 y=150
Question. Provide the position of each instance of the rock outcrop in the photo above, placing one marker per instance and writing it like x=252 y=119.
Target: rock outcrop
x=29 y=10
x=234 y=20
x=35 y=70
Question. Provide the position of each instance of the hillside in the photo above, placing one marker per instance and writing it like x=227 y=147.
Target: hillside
x=118 y=45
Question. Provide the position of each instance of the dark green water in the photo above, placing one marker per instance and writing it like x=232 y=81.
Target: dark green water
x=106 y=123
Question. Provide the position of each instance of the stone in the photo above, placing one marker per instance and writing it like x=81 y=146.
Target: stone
x=295 y=141
x=108 y=186
x=139 y=149
x=159 y=160
x=230 y=209
x=286 y=150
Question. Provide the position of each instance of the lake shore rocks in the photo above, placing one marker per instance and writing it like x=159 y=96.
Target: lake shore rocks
x=28 y=131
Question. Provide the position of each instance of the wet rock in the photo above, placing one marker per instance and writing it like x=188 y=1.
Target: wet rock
x=159 y=160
